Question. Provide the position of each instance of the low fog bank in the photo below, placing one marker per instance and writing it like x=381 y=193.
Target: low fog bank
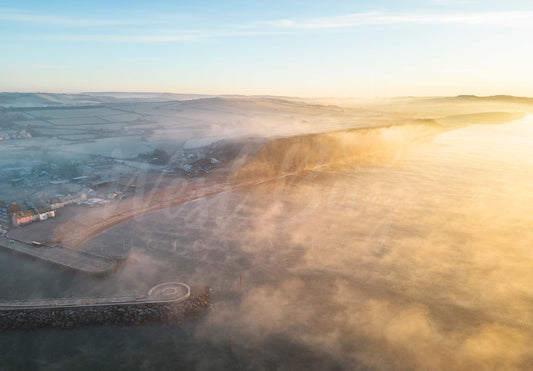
x=420 y=264
x=372 y=250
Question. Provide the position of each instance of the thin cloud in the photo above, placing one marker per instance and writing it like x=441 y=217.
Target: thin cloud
x=13 y=15
x=455 y=2
x=51 y=67
x=161 y=37
x=503 y=19
x=117 y=30
x=127 y=38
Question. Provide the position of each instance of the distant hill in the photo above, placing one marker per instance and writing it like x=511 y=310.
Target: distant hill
x=49 y=100
x=481 y=118
x=26 y=100
x=148 y=96
x=487 y=99
x=15 y=100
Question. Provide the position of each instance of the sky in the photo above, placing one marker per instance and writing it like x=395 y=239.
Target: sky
x=302 y=48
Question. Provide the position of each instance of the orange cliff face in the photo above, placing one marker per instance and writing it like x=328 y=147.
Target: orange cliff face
x=357 y=146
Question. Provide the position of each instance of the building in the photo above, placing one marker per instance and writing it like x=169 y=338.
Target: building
x=23 y=217
x=7 y=210
x=80 y=179
x=36 y=213
x=3 y=213
x=103 y=183
x=56 y=202
x=46 y=214
x=61 y=201
x=43 y=212
x=17 y=182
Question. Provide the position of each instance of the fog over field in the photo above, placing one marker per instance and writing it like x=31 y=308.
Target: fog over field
x=345 y=234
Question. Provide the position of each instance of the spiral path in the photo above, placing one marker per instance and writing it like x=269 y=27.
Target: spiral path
x=170 y=291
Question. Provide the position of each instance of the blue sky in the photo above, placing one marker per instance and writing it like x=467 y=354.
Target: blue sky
x=299 y=48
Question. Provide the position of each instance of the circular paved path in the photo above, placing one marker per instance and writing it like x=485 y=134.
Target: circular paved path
x=170 y=291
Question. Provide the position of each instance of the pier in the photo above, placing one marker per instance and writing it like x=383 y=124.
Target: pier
x=75 y=260
x=171 y=292
x=167 y=302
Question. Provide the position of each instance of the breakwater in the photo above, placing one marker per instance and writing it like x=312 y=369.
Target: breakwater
x=73 y=260
x=169 y=303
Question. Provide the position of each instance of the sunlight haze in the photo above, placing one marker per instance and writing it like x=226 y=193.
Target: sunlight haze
x=266 y=185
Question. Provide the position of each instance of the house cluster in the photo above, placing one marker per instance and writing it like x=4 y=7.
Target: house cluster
x=59 y=173
x=14 y=134
x=45 y=208
x=7 y=210
x=29 y=216
x=35 y=178
x=195 y=164
x=60 y=201
x=12 y=214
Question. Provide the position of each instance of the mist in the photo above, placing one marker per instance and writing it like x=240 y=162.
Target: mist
x=364 y=235
x=419 y=263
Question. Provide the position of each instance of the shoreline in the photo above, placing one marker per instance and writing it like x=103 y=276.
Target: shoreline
x=77 y=230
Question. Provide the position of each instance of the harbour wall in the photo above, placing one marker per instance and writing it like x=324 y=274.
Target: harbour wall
x=119 y=314
x=64 y=258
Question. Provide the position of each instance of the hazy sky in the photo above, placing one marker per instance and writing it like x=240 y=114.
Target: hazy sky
x=304 y=47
